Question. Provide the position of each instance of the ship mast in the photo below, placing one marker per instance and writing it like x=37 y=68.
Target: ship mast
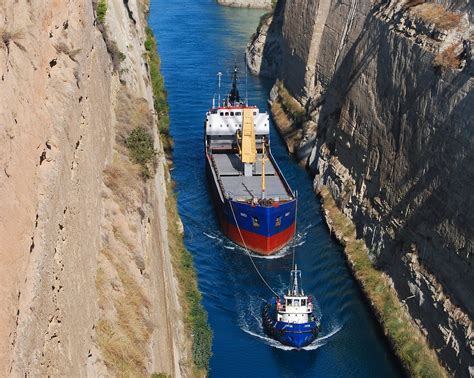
x=234 y=96
x=219 y=74
x=295 y=273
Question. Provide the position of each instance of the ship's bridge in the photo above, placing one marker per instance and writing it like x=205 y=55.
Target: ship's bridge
x=295 y=309
x=222 y=124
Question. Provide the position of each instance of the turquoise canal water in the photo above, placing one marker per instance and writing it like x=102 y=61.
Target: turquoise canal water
x=198 y=38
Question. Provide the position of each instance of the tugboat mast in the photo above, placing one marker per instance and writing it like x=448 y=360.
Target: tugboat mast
x=295 y=273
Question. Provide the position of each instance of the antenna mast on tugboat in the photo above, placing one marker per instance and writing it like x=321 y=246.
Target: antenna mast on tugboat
x=295 y=273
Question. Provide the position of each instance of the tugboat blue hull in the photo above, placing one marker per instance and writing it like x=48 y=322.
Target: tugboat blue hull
x=293 y=335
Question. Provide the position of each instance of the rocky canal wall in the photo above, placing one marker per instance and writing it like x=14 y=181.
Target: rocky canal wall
x=387 y=91
x=85 y=273
x=263 y=4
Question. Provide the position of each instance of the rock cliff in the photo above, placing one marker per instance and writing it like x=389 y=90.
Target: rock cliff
x=263 y=4
x=387 y=89
x=83 y=248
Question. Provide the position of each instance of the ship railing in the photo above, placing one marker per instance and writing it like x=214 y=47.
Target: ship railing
x=280 y=175
x=218 y=176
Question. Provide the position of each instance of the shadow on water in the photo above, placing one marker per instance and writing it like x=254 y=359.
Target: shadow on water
x=196 y=40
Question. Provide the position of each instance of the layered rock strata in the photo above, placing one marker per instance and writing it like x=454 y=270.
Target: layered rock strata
x=61 y=85
x=388 y=93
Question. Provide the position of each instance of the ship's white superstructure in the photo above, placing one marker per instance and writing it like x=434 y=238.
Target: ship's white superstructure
x=296 y=307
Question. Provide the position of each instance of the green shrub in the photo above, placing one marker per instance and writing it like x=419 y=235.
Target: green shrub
x=142 y=151
x=101 y=11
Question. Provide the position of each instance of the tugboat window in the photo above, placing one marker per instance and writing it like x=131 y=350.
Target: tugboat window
x=297 y=302
x=231 y=113
x=226 y=113
x=289 y=302
x=222 y=113
x=278 y=222
x=255 y=222
x=238 y=113
x=303 y=302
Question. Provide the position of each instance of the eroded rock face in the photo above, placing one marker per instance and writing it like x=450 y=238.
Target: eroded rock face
x=58 y=95
x=390 y=88
x=263 y=4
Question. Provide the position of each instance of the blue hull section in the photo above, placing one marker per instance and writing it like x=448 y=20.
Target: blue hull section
x=293 y=335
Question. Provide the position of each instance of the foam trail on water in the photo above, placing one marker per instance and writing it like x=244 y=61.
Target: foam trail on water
x=268 y=340
x=212 y=236
x=336 y=329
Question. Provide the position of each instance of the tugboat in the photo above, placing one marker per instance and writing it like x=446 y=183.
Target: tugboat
x=291 y=322
x=255 y=205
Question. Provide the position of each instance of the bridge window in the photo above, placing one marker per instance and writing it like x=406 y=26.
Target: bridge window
x=226 y=113
x=278 y=222
x=296 y=302
x=303 y=302
x=238 y=113
x=254 y=113
x=255 y=222
x=222 y=113
x=231 y=113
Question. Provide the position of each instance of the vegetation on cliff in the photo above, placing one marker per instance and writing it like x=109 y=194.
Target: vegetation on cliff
x=406 y=339
x=142 y=151
x=195 y=314
x=289 y=116
x=101 y=11
x=124 y=339
x=125 y=324
x=159 y=91
x=116 y=55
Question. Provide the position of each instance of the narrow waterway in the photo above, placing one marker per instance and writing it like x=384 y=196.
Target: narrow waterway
x=198 y=38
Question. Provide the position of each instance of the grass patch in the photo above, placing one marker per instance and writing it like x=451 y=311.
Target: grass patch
x=142 y=151
x=407 y=341
x=101 y=11
x=159 y=91
x=290 y=105
x=123 y=341
x=449 y=57
x=195 y=315
x=437 y=14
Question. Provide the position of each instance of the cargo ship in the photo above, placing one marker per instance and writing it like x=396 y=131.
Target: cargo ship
x=255 y=205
